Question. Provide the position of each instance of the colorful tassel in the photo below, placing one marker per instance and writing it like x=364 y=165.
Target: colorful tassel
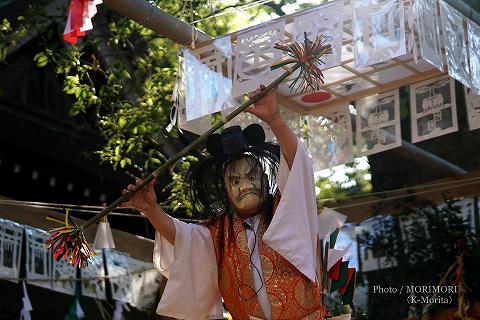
x=69 y=243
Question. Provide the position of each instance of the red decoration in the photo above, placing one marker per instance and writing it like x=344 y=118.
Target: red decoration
x=79 y=20
x=334 y=271
x=316 y=97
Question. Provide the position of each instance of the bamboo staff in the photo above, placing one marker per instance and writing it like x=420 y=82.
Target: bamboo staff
x=191 y=146
x=70 y=242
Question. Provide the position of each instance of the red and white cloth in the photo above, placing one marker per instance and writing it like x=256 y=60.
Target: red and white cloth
x=80 y=14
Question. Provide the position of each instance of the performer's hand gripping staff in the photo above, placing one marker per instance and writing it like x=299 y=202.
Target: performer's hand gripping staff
x=69 y=242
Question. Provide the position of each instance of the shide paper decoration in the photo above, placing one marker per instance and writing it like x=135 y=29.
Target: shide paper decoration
x=69 y=241
x=208 y=71
x=378 y=123
x=433 y=109
x=429 y=32
x=11 y=235
x=330 y=135
x=327 y=20
x=474 y=50
x=472 y=102
x=456 y=48
x=378 y=31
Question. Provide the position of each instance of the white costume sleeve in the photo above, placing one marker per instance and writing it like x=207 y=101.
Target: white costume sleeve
x=293 y=231
x=191 y=268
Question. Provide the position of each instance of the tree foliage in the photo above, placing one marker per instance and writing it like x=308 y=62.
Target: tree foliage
x=423 y=243
x=122 y=74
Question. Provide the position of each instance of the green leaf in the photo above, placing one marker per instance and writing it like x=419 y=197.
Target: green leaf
x=122 y=122
x=41 y=59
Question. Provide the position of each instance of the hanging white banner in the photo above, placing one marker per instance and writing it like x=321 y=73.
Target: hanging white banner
x=208 y=78
x=327 y=20
x=95 y=273
x=331 y=142
x=378 y=123
x=119 y=276
x=472 y=101
x=474 y=50
x=433 y=108
x=11 y=235
x=62 y=271
x=38 y=258
x=429 y=32
x=456 y=48
x=145 y=284
x=378 y=31
x=254 y=54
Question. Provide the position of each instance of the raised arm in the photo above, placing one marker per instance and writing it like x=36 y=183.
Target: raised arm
x=145 y=201
x=267 y=110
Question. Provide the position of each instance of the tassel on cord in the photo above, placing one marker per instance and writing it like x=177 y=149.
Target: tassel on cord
x=69 y=241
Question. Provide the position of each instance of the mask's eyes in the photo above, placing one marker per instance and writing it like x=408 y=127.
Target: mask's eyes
x=235 y=181
x=252 y=177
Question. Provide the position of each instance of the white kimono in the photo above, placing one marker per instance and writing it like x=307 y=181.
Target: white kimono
x=192 y=288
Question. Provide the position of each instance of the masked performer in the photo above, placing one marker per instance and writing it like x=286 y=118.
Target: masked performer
x=258 y=249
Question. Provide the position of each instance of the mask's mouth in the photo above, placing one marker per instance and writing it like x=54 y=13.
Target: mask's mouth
x=243 y=195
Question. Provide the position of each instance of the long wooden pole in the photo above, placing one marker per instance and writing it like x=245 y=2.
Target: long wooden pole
x=188 y=148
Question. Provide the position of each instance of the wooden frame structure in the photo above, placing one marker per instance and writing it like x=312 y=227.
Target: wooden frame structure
x=345 y=83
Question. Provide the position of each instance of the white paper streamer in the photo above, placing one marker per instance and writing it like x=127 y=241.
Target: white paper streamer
x=119 y=307
x=27 y=305
x=79 y=311
x=103 y=237
x=429 y=32
x=208 y=78
x=331 y=138
x=472 y=101
x=254 y=54
x=197 y=126
x=329 y=220
x=326 y=19
x=433 y=108
x=378 y=123
x=455 y=44
x=378 y=31
x=412 y=25
x=474 y=49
